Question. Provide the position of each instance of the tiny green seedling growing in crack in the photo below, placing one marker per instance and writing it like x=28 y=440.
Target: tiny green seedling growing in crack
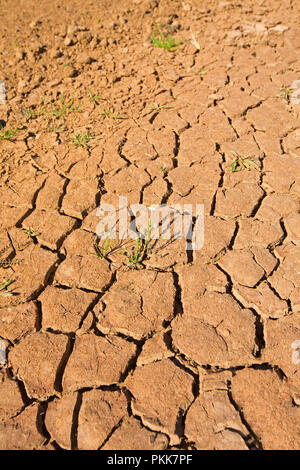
x=82 y=140
x=199 y=72
x=138 y=253
x=242 y=163
x=8 y=134
x=107 y=113
x=31 y=233
x=55 y=113
x=28 y=113
x=94 y=98
x=285 y=94
x=159 y=39
x=66 y=107
x=43 y=110
x=57 y=127
x=135 y=255
x=102 y=251
x=4 y=288
x=159 y=107
x=31 y=114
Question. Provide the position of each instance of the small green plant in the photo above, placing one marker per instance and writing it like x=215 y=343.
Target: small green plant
x=8 y=134
x=159 y=39
x=65 y=107
x=44 y=101
x=199 y=72
x=31 y=233
x=138 y=253
x=82 y=140
x=285 y=94
x=158 y=107
x=56 y=126
x=102 y=250
x=15 y=44
x=31 y=114
x=28 y=113
x=94 y=98
x=4 y=288
x=242 y=163
x=107 y=113
x=55 y=113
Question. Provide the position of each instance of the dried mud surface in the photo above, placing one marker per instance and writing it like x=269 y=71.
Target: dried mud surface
x=194 y=350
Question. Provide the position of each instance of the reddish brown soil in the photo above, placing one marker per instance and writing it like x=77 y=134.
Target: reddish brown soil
x=193 y=350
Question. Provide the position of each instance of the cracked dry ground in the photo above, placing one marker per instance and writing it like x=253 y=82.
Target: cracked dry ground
x=194 y=350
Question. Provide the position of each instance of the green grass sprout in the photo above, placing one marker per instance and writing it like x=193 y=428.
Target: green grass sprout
x=4 y=288
x=82 y=140
x=159 y=39
x=242 y=163
x=8 y=134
